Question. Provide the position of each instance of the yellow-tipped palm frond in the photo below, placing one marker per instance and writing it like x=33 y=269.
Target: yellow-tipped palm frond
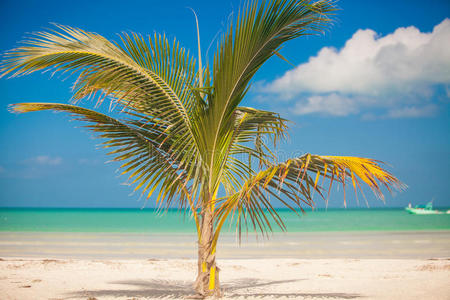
x=297 y=180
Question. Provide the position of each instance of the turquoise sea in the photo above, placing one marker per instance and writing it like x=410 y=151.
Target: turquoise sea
x=174 y=221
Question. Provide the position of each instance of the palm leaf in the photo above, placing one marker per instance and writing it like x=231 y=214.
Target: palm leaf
x=147 y=164
x=251 y=40
x=152 y=78
x=297 y=179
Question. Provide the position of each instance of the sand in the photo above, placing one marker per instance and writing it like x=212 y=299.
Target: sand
x=334 y=265
x=406 y=244
x=242 y=279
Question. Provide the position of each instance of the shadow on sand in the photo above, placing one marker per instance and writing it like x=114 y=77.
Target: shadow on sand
x=179 y=289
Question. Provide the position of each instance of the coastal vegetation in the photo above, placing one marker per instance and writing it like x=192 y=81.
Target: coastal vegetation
x=181 y=132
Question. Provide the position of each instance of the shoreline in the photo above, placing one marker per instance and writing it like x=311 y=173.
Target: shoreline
x=227 y=232
x=325 y=265
x=311 y=245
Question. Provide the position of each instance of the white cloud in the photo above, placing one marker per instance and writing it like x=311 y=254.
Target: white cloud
x=397 y=72
x=413 y=111
x=45 y=160
x=332 y=104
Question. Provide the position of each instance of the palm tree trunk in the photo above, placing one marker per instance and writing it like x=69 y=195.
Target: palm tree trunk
x=207 y=282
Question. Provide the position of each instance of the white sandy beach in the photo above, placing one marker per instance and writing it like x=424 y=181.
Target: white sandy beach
x=335 y=265
x=241 y=279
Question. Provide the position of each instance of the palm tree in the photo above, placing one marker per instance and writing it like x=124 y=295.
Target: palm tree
x=183 y=132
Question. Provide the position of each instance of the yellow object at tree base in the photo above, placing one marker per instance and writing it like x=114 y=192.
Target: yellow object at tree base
x=212 y=278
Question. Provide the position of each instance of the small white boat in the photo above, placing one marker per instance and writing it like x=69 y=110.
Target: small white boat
x=423 y=210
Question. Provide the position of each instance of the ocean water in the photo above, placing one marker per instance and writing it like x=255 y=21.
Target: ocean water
x=174 y=221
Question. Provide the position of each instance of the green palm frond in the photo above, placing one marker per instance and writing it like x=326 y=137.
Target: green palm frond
x=251 y=40
x=152 y=78
x=258 y=127
x=250 y=122
x=106 y=66
x=137 y=147
x=255 y=36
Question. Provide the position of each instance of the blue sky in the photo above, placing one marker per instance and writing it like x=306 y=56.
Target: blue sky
x=371 y=86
